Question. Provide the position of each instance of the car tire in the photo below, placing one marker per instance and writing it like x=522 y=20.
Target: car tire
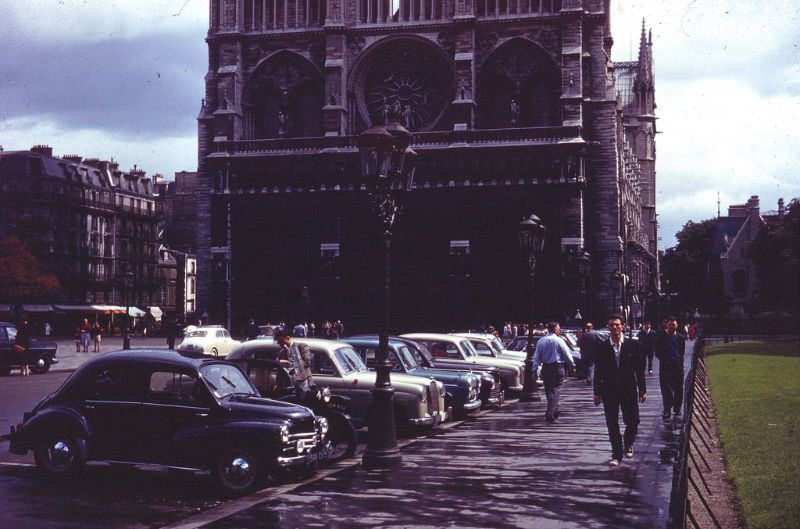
x=60 y=455
x=214 y=351
x=42 y=368
x=342 y=439
x=237 y=471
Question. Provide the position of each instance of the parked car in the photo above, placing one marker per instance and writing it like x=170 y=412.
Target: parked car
x=520 y=343
x=419 y=402
x=39 y=356
x=208 y=339
x=491 y=388
x=157 y=407
x=458 y=349
x=462 y=387
x=276 y=380
x=490 y=345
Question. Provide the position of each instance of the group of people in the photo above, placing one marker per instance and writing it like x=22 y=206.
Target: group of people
x=87 y=334
x=332 y=330
x=615 y=367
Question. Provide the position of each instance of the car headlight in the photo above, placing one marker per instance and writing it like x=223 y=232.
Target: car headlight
x=324 y=394
x=284 y=433
x=322 y=426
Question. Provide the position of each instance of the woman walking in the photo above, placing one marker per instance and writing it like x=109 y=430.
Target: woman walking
x=97 y=336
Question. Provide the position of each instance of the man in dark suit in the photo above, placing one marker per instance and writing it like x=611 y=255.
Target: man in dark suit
x=619 y=383
x=647 y=342
x=670 y=349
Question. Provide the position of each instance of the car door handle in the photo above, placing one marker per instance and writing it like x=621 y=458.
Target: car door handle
x=89 y=406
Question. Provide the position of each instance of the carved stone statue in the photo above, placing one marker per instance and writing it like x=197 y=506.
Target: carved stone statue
x=514 y=112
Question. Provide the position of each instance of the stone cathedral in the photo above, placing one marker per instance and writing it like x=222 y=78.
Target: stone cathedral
x=515 y=108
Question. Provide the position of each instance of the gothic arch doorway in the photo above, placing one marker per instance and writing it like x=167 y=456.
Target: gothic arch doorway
x=283 y=98
x=519 y=86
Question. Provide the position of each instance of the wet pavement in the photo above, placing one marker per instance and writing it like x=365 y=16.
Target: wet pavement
x=504 y=469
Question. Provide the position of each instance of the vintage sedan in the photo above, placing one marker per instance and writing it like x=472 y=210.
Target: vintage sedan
x=208 y=339
x=419 y=402
x=490 y=345
x=457 y=349
x=462 y=387
x=158 y=407
x=491 y=388
x=39 y=356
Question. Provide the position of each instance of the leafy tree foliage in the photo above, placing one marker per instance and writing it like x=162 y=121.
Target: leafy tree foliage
x=688 y=272
x=20 y=279
x=776 y=254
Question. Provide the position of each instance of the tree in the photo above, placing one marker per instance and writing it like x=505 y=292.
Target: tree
x=20 y=279
x=690 y=274
x=775 y=251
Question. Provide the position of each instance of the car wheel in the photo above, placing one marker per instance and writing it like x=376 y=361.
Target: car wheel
x=236 y=471
x=41 y=366
x=60 y=455
x=341 y=440
x=214 y=351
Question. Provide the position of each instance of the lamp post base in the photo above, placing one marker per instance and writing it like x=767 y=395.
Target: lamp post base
x=382 y=450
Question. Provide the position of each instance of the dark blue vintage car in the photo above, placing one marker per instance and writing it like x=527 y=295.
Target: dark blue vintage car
x=39 y=356
x=462 y=386
x=159 y=407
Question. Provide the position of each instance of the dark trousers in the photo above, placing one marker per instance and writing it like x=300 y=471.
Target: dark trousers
x=671 y=380
x=553 y=377
x=650 y=355
x=629 y=404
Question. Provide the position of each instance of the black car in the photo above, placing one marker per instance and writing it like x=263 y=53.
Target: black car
x=462 y=386
x=491 y=389
x=159 y=407
x=39 y=356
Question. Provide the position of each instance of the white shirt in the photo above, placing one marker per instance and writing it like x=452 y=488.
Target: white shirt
x=617 y=347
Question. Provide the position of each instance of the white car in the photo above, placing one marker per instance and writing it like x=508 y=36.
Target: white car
x=490 y=345
x=208 y=339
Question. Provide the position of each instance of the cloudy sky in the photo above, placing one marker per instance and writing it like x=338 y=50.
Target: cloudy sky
x=123 y=79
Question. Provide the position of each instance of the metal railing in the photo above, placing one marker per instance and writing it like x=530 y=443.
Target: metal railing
x=694 y=448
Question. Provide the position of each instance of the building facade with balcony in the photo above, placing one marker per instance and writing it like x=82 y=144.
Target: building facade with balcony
x=85 y=221
x=515 y=108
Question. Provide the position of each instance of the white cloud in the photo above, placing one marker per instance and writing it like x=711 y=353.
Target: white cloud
x=165 y=155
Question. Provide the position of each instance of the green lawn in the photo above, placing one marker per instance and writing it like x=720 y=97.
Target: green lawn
x=756 y=391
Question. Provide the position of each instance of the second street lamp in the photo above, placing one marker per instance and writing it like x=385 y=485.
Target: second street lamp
x=386 y=164
x=583 y=262
x=531 y=239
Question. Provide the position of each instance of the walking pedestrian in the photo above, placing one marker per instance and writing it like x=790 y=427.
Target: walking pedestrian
x=172 y=332
x=619 y=383
x=77 y=339
x=86 y=334
x=669 y=349
x=647 y=342
x=587 y=342
x=552 y=354
x=299 y=357
x=97 y=336
x=48 y=329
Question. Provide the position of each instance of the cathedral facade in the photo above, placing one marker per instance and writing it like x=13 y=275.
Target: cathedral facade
x=515 y=108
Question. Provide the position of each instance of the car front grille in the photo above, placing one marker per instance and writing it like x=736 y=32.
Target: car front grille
x=433 y=398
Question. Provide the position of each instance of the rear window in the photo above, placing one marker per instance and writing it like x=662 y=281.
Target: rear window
x=196 y=334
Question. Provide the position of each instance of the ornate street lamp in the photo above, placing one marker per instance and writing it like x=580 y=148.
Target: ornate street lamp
x=387 y=165
x=583 y=262
x=616 y=281
x=531 y=239
x=127 y=284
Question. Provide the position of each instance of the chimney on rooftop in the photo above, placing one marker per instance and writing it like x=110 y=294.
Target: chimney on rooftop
x=781 y=208
x=43 y=149
x=73 y=158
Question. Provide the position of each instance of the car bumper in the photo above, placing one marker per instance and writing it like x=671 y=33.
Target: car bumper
x=438 y=417
x=311 y=457
x=517 y=387
x=472 y=406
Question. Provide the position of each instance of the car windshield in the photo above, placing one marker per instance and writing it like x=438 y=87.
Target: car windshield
x=469 y=351
x=517 y=344
x=349 y=361
x=407 y=358
x=421 y=354
x=225 y=380
x=196 y=334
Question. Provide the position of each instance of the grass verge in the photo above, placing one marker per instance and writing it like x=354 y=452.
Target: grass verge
x=756 y=391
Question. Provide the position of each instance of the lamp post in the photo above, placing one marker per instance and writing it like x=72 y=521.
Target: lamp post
x=387 y=164
x=616 y=279
x=531 y=239
x=127 y=283
x=583 y=262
